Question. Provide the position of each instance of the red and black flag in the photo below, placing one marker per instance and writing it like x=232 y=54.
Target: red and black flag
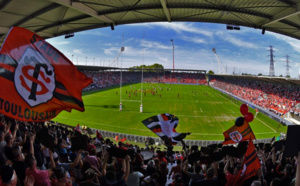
x=37 y=80
x=236 y=134
x=250 y=165
x=164 y=126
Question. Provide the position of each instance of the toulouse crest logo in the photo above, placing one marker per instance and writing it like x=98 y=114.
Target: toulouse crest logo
x=34 y=78
x=236 y=136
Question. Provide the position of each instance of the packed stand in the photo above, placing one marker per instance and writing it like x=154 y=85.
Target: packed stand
x=110 y=78
x=49 y=154
x=278 y=98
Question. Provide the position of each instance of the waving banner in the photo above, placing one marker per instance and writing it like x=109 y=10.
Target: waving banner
x=237 y=134
x=37 y=81
x=251 y=164
x=164 y=126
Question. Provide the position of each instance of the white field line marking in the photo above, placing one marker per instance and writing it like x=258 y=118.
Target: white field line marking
x=193 y=116
x=256 y=118
x=231 y=110
x=266 y=124
x=131 y=100
x=201 y=109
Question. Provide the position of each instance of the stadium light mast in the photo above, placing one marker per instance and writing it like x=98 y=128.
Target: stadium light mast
x=220 y=65
x=173 y=53
x=142 y=91
x=122 y=50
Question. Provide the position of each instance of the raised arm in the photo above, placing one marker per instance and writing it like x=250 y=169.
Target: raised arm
x=77 y=160
x=125 y=176
x=185 y=166
x=106 y=156
x=171 y=172
x=15 y=132
x=227 y=163
x=32 y=138
x=273 y=156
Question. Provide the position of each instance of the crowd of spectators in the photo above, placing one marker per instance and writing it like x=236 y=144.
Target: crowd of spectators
x=49 y=154
x=276 y=97
x=105 y=79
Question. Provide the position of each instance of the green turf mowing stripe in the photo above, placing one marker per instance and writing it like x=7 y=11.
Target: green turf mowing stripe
x=201 y=110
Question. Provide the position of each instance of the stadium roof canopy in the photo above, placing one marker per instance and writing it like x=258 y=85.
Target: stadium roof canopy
x=51 y=18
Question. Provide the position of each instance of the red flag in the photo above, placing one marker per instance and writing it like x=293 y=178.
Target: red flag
x=123 y=139
x=37 y=80
x=236 y=134
x=250 y=165
x=117 y=138
x=77 y=128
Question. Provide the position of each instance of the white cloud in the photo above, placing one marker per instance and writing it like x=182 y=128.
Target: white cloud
x=112 y=50
x=238 y=42
x=178 y=27
x=157 y=45
x=78 y=51
x=55 y=43
x=294 y=43
x=196 y=40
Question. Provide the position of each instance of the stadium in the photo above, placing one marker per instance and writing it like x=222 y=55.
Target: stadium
x=133 y=119
x=202 y=103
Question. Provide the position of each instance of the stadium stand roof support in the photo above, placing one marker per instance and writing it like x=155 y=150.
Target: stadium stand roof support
x=51 y=18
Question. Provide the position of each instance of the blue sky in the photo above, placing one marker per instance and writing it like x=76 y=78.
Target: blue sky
x=242 y=51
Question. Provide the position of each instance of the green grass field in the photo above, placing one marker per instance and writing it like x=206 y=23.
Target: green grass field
x=201 y=110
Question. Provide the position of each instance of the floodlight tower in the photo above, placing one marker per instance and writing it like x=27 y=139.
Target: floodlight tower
x=122 y=50
x=173 y=53
x=220 y=65
x=272 y=71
